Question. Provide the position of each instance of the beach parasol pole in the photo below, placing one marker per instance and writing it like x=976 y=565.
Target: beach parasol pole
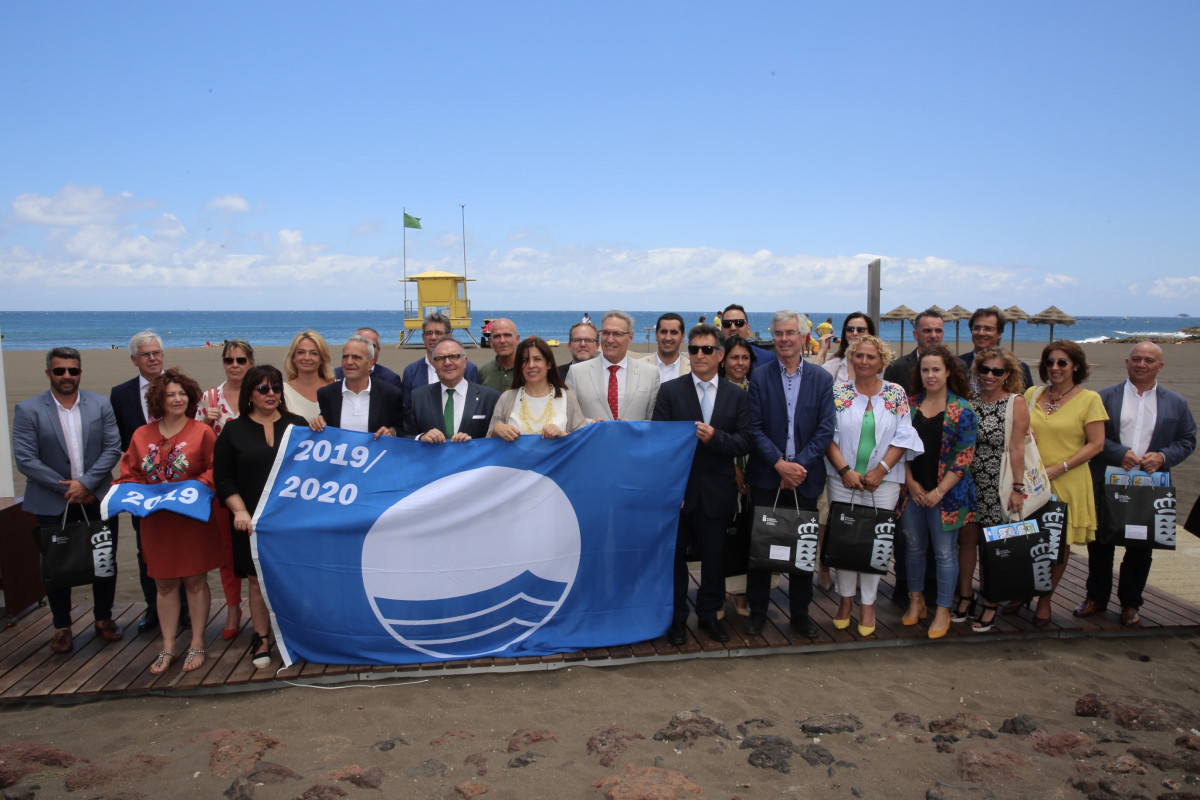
x=6 y=473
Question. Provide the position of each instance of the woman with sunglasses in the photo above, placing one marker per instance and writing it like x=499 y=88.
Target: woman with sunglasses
x=217 y=407
x=176 y=447
x=1068 y=424
x=856 y=325
x=539 y=403
x=244 y=456
x=1001 y=385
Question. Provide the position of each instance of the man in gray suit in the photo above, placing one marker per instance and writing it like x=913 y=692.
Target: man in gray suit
x=453 y=409
x=66 y=443
x=615 y=386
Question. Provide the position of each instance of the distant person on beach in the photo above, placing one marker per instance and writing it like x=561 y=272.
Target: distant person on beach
x=721 y=413
x=498 y=373
x=586 y=318
x=421 y=373
x=615 y=386
x=735 y=322
x=824 y=339
x=539 y=404
x=583 y=341
x=128 y=400
x=454 y=409
x=378 y=371
x=307 y=367
x=792 y=421
x=987 y=331
x=65 y=443
x=668 y=333
x=1148 y=428
x=359 y=403
x=928 y=331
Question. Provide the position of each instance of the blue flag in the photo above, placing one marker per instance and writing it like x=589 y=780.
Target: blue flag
x=188 y=498
x=392 y=551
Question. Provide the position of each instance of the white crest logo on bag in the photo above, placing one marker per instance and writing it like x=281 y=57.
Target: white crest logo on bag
x=1164 y=520
x=881 y=549
x=104 y=562
x=1053 y=523
x=806 y=546
x=1044 y=556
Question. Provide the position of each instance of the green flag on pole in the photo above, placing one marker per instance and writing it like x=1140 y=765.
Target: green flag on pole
x=411 y=221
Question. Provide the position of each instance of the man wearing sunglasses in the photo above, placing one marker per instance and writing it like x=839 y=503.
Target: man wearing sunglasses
x=987 y=330
x=721 y=413
x=454 y=409
x=359 y=402
x=668 y=333
x=66 y=443
x=734 y=322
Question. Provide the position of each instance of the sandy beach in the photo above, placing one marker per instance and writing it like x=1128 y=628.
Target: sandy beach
x=582 y=732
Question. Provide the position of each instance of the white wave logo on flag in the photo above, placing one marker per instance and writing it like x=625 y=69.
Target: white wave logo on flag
x=449 y=583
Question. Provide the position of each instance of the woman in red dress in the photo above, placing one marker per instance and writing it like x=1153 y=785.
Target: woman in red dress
x=176 y=448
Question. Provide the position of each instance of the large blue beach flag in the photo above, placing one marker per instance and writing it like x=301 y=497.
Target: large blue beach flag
x=392 y=551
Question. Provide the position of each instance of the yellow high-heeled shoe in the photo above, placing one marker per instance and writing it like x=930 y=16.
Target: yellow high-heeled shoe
x=864 y=630
x=841 y=624
x=936 y=632
x=924 y=612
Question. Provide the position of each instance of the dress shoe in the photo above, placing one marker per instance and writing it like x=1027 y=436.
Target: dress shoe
x=148 y=622
x=754 y=624
x=1087 y=608
x=715 y=630
x=805 y=627
x=62 y=642
x=1130 y=617
x=940 y=625
x=677 y=634
x=922 y=611
x=107 y=630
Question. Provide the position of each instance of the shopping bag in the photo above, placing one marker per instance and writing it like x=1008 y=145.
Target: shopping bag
x=859 y=538
x=1053 y=517
x=1037 y=482
x=1016 y=560
x=77 y=553
x=1137 y=516
x=782 y=539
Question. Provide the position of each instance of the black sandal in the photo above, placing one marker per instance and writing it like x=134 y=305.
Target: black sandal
x=987 y=620
x=261 y=660
x=963 y=614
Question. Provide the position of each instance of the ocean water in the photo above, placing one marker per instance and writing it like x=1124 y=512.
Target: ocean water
x=102 y=330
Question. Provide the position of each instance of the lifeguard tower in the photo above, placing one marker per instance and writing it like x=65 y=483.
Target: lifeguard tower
x=438 y=291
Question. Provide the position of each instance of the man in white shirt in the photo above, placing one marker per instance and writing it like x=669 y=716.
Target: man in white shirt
x=614 y=386
x=1149 y=428
x=358 y=402
x=453 y=409
x=65 y=443
x=668 y=333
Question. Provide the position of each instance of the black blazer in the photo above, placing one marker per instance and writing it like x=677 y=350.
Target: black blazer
x=425 y=411
x=386 y=408
x=126 y=401
x=711 y=483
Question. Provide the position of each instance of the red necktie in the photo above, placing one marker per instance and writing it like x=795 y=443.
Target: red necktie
x=612 y=391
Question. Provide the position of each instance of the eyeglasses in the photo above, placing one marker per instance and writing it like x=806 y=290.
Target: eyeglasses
x=856 y=329
x=999 y=372
x=707 y=349
x=733 y=323
x=615 y=334
x=238 y=359
x=151 y=354
x=451 y=357
x=585 y=341
x=1061 y=363
x=58 y=372
x=269 y=388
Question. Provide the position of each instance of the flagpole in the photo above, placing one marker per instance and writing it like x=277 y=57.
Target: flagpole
x=463 y=208
x=404 y=252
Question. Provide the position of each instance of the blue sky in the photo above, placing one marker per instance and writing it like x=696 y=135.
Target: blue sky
x=637 y=155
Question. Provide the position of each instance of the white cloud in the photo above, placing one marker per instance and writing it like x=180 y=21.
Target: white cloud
x=72 y=206
x=230 y=204
x=369 y=228
x=1176 y=288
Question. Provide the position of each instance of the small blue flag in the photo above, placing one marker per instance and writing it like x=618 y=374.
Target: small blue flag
x=187 y=498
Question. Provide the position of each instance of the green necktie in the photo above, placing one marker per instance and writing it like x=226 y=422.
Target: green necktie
x=448 y=413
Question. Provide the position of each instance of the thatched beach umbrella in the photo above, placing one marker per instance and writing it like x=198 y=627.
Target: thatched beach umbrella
x=1014 y=313
x=899 y=313
x=957 y=314
x=1052 y=316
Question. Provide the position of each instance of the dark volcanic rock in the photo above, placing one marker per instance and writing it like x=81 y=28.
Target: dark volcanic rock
x=689 y=726
x=830 y=723
x=770 y=752
x=1072 y=743
x=323 y=791
x=815 y=754
x=240 y=789
x=610 y=743
x=523 y=760
x=902 y=719
x=1137 y=713
x=522 y=738
x=962 y=722
x=429 y=768
x=389 y=744
x=267 y=772
x=1020 y=725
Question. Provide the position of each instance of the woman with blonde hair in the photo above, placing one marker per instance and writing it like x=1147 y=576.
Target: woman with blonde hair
x=307 y=367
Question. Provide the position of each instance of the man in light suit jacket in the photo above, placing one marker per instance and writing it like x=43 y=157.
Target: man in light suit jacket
x=453 y=409
x=792 y=422
x=1149 y=428
x=614 y=386
x=668 y=334
x=358 y=402
x=66 y=443
x=435 y=327
x=721 y=412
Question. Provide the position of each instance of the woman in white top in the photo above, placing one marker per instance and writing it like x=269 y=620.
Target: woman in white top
x=539 y=404
x=856 y=325
x=308 y=368
x=873 y=439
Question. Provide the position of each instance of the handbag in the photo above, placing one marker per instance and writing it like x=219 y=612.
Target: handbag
x=783 y=539
x=1016 y=567
x=77 y=553
x=1037 y=483
x=1140 y=517
x=859 y=538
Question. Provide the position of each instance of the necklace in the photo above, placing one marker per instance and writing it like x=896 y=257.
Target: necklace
x=1055 y=403
x=530 y=424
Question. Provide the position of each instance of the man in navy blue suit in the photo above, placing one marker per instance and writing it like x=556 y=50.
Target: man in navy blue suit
x=791 y=423
x=721 y=413
x=378 y=371
x=359 y=402
x=1149 y=428
x=434 y=328
x=454 y=409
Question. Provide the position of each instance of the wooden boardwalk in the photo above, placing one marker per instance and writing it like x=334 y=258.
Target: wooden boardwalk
x=29 y=672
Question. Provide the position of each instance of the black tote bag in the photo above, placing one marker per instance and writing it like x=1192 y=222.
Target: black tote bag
x=859 y=538
x=77 y=553
x=783 y=539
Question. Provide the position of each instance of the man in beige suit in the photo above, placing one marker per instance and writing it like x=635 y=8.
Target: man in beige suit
x=667 y=359
x=615 y=386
